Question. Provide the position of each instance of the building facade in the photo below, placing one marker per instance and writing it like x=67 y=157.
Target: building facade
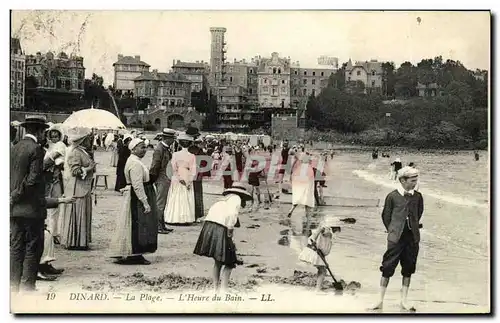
x=368 y=72
x=56 y=73
x=163 y=89
x=274 y=82
x=196 y=73
x=127 y=69
x=217 y=57
x=17 y=75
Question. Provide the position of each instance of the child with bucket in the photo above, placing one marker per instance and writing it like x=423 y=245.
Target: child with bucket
x=321 y=240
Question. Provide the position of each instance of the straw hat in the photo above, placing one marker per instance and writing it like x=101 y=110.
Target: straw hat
x=167 y=132
x=184 y=136
x=239 y=190
x=39 y=121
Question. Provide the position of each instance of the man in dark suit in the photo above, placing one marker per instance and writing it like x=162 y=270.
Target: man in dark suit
x=158 y=175
x=27 y=205
x=401 y=216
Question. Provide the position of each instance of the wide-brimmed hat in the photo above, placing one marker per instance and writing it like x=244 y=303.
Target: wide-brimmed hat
x=193 y=131
x=59 y=128
x=167 y=132
x=134 y=142
x=39 y=121
x=240 y=190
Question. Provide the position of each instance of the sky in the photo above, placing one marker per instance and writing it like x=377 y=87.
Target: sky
x=159 y=37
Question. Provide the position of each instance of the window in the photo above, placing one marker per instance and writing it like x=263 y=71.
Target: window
x=274 y=70
x=283 y=89
x=279 y=70
x=251 y=71
x=358 y=73
x=265 y=89
x=282 y=81
x=295 y=92
x=265 y=81
x=305 y=73
x=274 y=91
x=249 y=91
x=295 y=72
x=314 y=73
x=230 y=79
x=313 y=92
x=305 y=92
x=373 y=73
x=373 y=83
x=313 y=82
x=322 y=73
x=349 y=79
x=305 y=81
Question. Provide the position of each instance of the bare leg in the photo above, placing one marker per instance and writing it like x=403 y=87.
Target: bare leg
x=226 y=274
x=257 y=191
x=404 y=295
x=383 y=287
x=253 y=189
x=216 y=275
x=321 y=277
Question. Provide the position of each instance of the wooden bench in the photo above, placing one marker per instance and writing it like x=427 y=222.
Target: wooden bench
x=96 y=180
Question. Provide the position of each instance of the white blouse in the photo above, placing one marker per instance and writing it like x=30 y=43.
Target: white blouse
x=183 y=165
x=136 y=174
x=225 y=212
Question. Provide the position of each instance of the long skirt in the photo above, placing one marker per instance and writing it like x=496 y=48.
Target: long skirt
x=213 y=242
x=48 y=248
x=199 y=211
x=121 y=182
x=180 y=205
x=78 y=224
x=303 y=192
x=53 y=214
x=114 y=158
x=136 y=232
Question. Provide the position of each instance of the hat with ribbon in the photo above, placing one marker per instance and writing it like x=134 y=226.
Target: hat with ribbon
x=239 y=190
x=35 y=120
x=167 y=132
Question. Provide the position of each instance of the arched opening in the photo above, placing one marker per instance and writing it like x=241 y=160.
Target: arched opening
x=175 y=121
x=158 y=123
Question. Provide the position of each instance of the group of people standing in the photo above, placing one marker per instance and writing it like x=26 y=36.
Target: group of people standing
x=50 y=198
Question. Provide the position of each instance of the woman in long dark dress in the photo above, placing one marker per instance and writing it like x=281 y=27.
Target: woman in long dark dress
x=123 y=154
x=201 y=163
x=137 y=224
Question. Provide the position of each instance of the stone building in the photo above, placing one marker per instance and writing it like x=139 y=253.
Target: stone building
x=163 y=89
x=17 y=75
x=127 y=69
x=56 y=74
x=273 y=82
x=196 y=73
x=368 y=72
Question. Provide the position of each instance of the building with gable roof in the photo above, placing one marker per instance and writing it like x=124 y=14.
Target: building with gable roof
x=368 y=72
x=195 y=72
x=127 y=69
x=163 y=89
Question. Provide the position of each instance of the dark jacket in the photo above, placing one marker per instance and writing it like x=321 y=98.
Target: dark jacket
x=27 y=185
x=161 y=159
x=396 y=209
x=201 y=162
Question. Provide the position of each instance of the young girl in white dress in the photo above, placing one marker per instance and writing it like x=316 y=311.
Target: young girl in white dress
x=215 y=240
x=322 y=239
x=302 y=182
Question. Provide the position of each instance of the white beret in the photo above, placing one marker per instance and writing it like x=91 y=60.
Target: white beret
x=134 y=143
x=407 y=172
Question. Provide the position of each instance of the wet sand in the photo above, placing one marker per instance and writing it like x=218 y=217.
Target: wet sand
x=448 y=279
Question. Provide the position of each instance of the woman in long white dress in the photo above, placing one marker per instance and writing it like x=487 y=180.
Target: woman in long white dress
x=302 y=182
x=180 y=207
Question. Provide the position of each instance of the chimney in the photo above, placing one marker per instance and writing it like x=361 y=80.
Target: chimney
x=137 y=57
x=120 y=56
x=155 y=71
x=173 y=62
x=202 y=61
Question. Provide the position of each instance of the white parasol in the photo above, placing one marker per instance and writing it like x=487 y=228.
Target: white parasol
x=94 y=118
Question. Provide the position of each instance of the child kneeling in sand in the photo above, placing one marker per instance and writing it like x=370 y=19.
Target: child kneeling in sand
x=215 y=240
x=320 y=240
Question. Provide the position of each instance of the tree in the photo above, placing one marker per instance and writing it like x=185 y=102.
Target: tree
x=388 y=79
x=406 y=81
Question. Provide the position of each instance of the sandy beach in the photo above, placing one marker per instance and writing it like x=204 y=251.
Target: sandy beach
x=450 y=277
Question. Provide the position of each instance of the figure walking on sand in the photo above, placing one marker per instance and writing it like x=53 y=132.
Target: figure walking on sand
x=302 y=183
x=137 y=223
x=216 y=237
x=401 y=216
x=180 y=207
